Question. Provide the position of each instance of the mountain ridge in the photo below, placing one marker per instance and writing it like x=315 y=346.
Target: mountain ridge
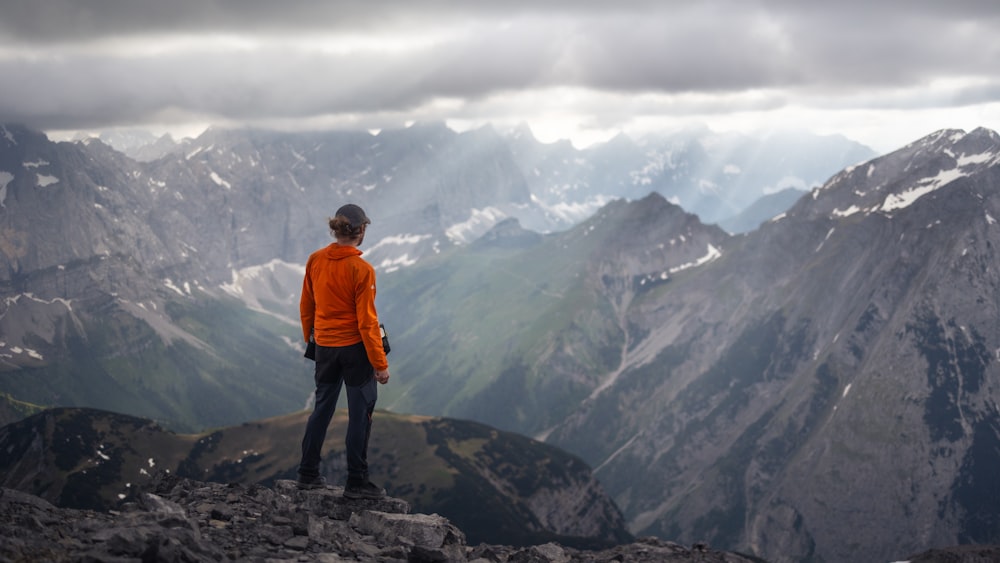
x=498 y=487
x=877 y=281
x=177 y=519
x=727 y=384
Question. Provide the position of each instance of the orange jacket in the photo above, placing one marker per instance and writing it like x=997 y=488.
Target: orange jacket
x=338 y=301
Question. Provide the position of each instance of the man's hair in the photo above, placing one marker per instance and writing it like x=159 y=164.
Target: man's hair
x=349 y=222
x=341 y=227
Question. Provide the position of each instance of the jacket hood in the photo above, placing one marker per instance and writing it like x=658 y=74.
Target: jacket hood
x=338 y=251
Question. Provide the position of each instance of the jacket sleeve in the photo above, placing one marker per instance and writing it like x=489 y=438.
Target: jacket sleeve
x=368 y=319
x=307 y=304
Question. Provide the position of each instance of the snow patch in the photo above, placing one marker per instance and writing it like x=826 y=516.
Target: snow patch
x=170 y=285
x=479 y=221
x=655 y=166
x=219 y=181
x=711 y=254
x=398 y=240
x=18 y=351
x=68 y=303
x=652 y=278
x=979 y=158
x=252 y=273
x=393 y=264
x=828 y=235
x=846 y=212
x=46 y=180
x=271 y=289
x=5 y=178
x=574 y=212
x=922 y=188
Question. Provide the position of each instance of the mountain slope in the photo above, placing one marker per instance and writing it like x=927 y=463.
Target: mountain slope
x=498 y=487
x=837 y=363
x=520 y=333
x=756 y=391
x=764 y=209
x=123 y=298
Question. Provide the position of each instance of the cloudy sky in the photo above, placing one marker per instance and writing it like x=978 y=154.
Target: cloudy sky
x=883 y=72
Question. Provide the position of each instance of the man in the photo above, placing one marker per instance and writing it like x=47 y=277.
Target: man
x=338 y=314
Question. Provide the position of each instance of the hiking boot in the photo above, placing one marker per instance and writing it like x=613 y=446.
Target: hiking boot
x=310 y=483
x=366 y=490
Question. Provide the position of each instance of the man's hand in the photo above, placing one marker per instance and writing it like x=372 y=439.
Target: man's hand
x=382 y=376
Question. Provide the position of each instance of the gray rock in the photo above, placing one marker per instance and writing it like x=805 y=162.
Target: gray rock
x=181 y=520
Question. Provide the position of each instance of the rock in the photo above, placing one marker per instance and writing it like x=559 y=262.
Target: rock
x=432 y=536
x=181 y=520
x=959 y=554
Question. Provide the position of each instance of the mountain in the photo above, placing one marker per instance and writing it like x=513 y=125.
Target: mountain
x=696 y=370
x=821 y=390
x=123 y=285
x=764 y=209
x=711 y=175
x=520 y=333
x=816 y=389
x=166 y=288
x=139 y=144
x=497 y=486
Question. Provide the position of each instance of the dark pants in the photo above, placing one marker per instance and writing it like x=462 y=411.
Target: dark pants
x=334 y=367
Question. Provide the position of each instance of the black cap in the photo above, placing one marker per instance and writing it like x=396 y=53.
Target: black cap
x=354 y=214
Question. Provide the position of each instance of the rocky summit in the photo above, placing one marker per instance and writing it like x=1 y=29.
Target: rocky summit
x=181 y=520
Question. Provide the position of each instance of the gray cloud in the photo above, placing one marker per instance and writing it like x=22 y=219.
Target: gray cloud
x=95 y=63
x=59 y=20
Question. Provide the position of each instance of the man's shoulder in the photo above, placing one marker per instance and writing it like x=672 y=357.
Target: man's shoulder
x=362 y=264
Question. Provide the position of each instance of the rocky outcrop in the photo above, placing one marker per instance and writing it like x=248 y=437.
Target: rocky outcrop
x=182 y=520
x=498 y=487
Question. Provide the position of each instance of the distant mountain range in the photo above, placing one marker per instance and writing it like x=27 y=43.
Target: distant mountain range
x=154 y=287
x=816 y=388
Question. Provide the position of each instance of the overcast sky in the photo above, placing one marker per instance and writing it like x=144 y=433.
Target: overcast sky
x=880 y=72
